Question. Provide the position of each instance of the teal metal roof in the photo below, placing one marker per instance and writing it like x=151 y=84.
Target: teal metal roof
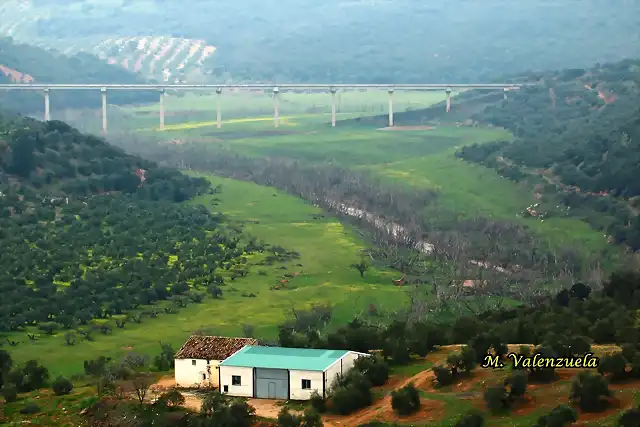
x=303 y=359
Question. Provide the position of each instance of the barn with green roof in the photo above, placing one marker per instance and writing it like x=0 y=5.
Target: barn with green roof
x=283 y=373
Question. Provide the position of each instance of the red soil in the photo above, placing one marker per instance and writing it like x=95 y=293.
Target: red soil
x=16 y=76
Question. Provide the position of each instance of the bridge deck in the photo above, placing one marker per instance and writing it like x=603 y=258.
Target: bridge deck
x=58 y=86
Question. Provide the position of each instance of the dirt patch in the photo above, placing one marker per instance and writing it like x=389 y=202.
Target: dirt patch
x=479 y=380
x=626 y=385
x=393 y=383
x=268 y=408
x=617 y=406
x=407 y=128
x=128 y=348
x=191 y=401
x=379 y=407
x=525 y=406
x=165 y=382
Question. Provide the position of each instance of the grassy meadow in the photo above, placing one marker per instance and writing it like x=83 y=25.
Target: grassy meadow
x=322 y=276
x=418 y=158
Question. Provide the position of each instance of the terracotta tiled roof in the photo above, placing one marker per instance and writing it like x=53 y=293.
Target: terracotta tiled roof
x=212 y=348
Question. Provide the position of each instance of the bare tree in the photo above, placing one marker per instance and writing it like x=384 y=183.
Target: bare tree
x=142 y=382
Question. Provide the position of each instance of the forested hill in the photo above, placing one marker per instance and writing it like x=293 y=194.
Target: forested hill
x=577 y=133
x=23 y=63
x=54 y=159
x=412 y=41
x=88 y=231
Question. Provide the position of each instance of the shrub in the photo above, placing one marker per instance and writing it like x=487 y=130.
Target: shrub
x=374 y=368
x=630 y=418
x=311 y=418
x=496 y=398
x=287 y=419
x=590 y=392
x=406 y=400
x=351 y=392
x=318 y=403
x=30 y=408
x=10 y=393
x=517 y=383
x=171 y=399
x=559 y=416
x=61 y=386
x=443 y=375
x=473 y=418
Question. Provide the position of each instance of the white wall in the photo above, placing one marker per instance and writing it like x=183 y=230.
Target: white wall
x=189 y=375
x=295 y=384
x=329 y=377
x=245 y=389
x=348 y=360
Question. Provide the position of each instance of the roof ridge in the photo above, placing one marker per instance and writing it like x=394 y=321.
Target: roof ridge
x=211 y=347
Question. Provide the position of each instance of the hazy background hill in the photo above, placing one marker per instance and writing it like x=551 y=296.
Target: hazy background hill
x=23 y=63
x=335 y=40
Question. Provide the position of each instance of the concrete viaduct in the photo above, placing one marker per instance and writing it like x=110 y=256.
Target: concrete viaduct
x=331 y=88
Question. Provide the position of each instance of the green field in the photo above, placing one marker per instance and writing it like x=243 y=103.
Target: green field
x=248 y=110
x=327 y=249
x=416 y=158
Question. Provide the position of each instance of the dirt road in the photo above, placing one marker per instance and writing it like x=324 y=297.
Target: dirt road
x=381 y=408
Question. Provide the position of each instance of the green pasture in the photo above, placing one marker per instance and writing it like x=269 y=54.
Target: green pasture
x=423 y=159
x=416 y=158
x=323 y=276
x=256 y=103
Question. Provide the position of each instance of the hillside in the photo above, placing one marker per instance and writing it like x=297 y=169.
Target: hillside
x=576 y=142
x=337 y=40
x=78 y=220
x=577 y=136
x=23 y=63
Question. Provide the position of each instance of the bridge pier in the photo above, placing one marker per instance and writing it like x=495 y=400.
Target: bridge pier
x=391 y=107
x=333 y=107
x=161 y=109
x=448 y=99
x=47 y=110
x=506 y=91
x=276 y=117
x=103 y=92
x=218 y=108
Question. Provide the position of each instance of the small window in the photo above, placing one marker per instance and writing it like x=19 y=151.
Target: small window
x=226 y=389
x=236 y=380
x=204 y=377
x=207 y=362
x=306 y=384
x=193 y=362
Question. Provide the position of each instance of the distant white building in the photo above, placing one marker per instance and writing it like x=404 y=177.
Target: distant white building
x=283 y=373
x=198 y=359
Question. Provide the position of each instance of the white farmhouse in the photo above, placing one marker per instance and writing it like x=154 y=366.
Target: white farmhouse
x=198 y=359
x=283 y=373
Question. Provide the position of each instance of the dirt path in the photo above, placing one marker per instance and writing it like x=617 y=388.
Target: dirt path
x=408 y=128
x=378 y=408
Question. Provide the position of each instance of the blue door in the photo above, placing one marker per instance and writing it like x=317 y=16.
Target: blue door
x=272 y=383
